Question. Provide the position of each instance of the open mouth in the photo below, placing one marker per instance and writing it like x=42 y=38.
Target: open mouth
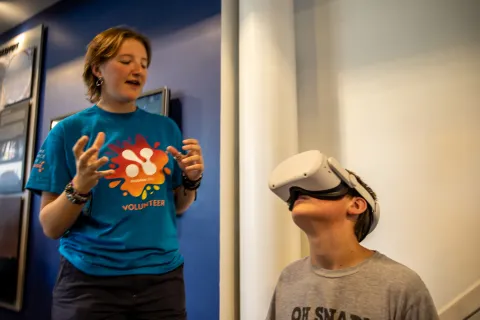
x=133 y=82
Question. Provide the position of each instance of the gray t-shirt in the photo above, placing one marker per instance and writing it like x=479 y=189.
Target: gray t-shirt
x=376 y=289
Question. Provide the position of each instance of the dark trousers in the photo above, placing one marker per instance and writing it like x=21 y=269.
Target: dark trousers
x=78 y=296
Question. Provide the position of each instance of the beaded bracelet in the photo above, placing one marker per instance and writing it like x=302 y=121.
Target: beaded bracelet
x=191 y=185
x=74 y=197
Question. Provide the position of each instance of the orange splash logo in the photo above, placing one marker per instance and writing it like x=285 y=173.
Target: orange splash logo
x=139 y=168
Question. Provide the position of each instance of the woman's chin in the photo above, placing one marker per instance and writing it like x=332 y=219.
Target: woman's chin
x=130 y=95
x=128 y=98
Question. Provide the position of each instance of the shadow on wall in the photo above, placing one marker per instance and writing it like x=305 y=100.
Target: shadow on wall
x=316 y=55
x=176 y=111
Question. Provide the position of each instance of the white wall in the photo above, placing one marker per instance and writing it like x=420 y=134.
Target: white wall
x=392 y=89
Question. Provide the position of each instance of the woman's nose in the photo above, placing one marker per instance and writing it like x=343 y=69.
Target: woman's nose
x=137 y=69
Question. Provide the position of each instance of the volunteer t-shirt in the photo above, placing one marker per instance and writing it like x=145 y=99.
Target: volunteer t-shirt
x=129 y=226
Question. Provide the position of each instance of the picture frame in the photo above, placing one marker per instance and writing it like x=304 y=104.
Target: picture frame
x=154 y=101
x=56 y=120
x=13 y=146
x=21 y=85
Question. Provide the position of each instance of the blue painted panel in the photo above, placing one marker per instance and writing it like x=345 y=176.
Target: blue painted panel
x=185 y=37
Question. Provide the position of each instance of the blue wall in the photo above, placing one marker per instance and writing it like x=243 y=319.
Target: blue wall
x=185 y=37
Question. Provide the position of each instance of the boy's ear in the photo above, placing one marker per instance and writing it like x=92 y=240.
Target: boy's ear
x=357 y=206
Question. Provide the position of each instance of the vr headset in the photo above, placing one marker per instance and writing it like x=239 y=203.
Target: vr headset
x=312 y=174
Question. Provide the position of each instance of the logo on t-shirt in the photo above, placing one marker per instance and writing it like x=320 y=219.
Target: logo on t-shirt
x=139 y=168
x=40 y=161
x=322 y=313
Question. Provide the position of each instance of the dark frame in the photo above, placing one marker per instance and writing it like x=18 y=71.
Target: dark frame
x=23 y=106
x=33 y=38
x=56 y=120
x=166 y=98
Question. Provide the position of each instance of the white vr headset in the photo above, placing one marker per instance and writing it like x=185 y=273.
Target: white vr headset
x=312 y=173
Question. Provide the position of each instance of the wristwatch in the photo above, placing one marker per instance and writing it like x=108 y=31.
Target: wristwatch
x=74 y=197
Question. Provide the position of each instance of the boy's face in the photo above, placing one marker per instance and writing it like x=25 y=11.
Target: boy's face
x=346 y=208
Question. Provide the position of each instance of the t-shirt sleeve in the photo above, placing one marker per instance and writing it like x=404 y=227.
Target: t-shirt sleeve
x=421 y=305
x=50 y=171
x=178 y=144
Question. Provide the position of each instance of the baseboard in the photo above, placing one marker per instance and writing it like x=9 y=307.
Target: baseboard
x=464 y=305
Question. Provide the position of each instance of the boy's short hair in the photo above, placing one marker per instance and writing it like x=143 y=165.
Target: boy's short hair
x=364 y=220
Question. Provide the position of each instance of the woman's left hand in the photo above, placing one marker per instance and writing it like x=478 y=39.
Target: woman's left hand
x=192 y=162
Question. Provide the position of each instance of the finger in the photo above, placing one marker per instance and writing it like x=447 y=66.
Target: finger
x=105 y=173
x=98 y=143
x=192 y=159
x=99 y=140
x=85 y=157
x=173 y=150
x=197 y=166
x=97 y=164
x=190 y=141
x=175 y=153
x=192 y=147
x=79 y=146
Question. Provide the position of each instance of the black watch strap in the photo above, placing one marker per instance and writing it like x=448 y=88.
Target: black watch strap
x=191 y=185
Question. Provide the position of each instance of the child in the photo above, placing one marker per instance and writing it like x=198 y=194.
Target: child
x=341 y=279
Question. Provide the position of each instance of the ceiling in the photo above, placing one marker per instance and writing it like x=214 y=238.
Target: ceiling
x=14 y=12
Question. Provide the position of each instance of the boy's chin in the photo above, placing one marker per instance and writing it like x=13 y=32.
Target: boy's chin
x=304 y=209
x=302 y=217
x=305 y=222
x=308 y=214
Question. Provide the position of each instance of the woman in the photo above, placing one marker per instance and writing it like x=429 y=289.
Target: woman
x=112 y=202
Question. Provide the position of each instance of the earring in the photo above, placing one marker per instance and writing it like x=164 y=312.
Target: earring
x=99 y=82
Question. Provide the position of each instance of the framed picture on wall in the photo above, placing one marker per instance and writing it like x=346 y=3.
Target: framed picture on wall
x=20 y=88
x=10 y=239
x=154 y=101
x=16 y=76
x=56 y=120
x=13 y=144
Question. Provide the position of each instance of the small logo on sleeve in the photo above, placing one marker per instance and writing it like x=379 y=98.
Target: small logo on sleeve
x=39 y=166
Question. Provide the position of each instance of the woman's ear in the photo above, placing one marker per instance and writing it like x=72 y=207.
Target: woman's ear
x=358 y=205
x=96 y=71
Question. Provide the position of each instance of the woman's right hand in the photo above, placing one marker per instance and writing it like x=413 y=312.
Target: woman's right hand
x=88 y=164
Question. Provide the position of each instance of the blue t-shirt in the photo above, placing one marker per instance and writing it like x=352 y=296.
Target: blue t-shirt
x=129 y=226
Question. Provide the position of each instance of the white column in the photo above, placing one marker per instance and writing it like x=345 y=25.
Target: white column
x=229 y=207
x=268 y=134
